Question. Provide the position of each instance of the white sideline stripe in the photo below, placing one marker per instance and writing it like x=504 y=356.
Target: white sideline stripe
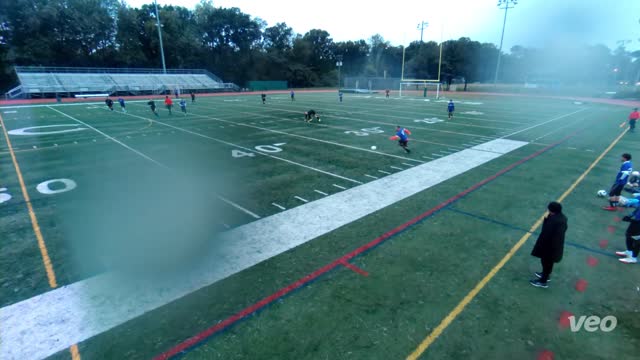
x=427 y=157
x=320 y=192
x=371 y=176
x=50 y=322
x=245 y=148
x=150 y=159
x=279 y=206
x=340 y=187
x=407 y=164
x=384 y=172
x=397 y=168
x=301 y=199
x=63 y=104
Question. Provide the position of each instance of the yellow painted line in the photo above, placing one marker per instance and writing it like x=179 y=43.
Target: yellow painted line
x=51 y=276
x=75 y=353
x=424 y=345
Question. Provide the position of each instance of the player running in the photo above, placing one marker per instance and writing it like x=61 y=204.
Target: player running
x=386 y=93
x=621 y=181
x=122 y=105
x=293 y=96
x=152 y=106
x=451 y=108
x=109 y=103
x=633 y=117
x=193 y=97
x=168 y=103
x=401 y=136
x=183 y=106
x=310 y=115
x=264 y=98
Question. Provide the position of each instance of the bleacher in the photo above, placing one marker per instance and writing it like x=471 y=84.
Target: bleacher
x=70 y=82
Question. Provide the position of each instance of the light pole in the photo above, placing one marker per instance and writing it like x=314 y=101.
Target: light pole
x=164 y=66
x=506 y=5
x=339 y=66
x=421 y=26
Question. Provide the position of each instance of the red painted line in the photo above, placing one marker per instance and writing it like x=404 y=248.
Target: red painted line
x=341 y=261
x=355 y=268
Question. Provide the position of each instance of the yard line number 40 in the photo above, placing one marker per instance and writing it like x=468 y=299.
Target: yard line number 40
x=275 y=148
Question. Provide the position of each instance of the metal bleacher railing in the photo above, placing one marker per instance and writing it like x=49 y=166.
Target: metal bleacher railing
x=68 y=81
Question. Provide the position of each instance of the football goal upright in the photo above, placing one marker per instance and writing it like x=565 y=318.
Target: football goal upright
x=424 y=87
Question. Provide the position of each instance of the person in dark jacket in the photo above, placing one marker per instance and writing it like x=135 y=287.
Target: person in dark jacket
x=632 y=235
x=550 y=244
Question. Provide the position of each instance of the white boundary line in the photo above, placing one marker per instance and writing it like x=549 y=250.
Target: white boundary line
x=384 y=172
x=397 y=168
x=301 y=199
x=371 y=176
x=340 y=187
x=320 y=192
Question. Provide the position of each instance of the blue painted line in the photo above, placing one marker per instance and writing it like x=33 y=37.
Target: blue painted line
x=513 y=227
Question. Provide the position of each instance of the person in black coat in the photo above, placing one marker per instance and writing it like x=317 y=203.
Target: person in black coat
x=550 y=244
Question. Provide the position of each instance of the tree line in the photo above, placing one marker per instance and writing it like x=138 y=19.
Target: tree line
x=238 y=47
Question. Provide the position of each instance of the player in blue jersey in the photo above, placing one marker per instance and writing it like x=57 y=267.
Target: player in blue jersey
x=122 y=105
x=451 y=108
x=402 y=135
x=183 y=106
x=293 y=96
x=340 y=95
x=621 y=181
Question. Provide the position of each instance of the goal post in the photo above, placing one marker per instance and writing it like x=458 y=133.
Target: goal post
x=408 y=83
x=419 y=88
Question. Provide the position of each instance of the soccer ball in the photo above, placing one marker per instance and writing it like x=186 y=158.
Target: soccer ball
x=373 y=148
x=602 y=193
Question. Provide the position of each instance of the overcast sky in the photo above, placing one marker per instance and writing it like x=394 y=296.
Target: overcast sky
x=530 y=23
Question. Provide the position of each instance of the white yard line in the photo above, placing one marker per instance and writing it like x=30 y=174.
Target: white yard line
x=340 y=187
x=279 y=206
x=320 y=192
x=397 y=168
x=384 y=172
x=301 y=199
x=41 y=326
x=371 y=176
x=406 y=164
x=247 y=149
x=543 y=123
x=246 y=211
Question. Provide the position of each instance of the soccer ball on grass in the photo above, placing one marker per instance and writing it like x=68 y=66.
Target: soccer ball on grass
x=602 y=193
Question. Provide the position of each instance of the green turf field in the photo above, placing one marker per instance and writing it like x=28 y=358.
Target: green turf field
x=152 y=193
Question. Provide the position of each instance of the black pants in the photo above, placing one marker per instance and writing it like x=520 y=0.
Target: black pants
x=633 y=245
x=547 y=268
x=632 y=124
